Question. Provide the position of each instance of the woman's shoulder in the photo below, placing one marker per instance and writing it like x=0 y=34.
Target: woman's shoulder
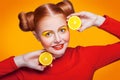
x=72 y=50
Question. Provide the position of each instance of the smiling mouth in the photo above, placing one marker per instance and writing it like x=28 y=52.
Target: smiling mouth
x=58 y=47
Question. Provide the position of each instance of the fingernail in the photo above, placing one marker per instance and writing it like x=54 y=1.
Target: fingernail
x=51 y=65
x=54 y=58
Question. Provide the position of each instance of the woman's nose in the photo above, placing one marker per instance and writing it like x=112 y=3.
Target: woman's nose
x=57 y=38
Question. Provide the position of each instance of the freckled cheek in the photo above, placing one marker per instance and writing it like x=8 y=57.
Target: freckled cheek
x=46 y=42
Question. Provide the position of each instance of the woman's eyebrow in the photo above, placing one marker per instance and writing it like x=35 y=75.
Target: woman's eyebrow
x=63 y=26
x=47 y=31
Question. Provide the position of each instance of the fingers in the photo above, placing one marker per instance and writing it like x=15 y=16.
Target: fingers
x=37 y=67
x=40 y=68
x=83 y=27
x=80 y=14
x=36 y=53
x=87 y=19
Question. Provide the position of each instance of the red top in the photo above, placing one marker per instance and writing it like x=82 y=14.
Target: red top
x=77 y=63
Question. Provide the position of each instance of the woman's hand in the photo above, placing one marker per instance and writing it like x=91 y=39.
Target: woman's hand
x=29 y=60
x=88 y=19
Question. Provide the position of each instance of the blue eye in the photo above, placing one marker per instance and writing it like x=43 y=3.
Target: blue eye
x=63 y=29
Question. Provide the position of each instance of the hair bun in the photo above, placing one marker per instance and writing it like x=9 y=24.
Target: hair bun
x=66 y=6
x=26 y=21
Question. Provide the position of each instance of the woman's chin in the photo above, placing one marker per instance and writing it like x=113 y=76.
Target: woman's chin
x=57 y=52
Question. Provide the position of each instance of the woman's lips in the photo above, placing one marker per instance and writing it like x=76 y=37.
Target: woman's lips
x=58 y=47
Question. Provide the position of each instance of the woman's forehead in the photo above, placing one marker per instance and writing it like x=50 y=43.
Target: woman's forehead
x=55 y=18
x=49 y=22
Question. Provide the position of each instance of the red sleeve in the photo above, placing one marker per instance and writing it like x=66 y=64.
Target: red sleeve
x=112 y=26
x=8 y=69
x=99 y=56
x=108 y=53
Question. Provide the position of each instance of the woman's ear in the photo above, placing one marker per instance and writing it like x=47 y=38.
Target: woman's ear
x=35 y=34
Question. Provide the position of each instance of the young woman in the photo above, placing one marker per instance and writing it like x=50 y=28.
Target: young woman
x=49 y=25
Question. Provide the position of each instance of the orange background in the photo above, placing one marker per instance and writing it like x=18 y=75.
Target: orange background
x=15 y=42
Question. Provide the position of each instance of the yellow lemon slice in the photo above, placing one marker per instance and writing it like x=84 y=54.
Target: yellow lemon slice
x=45 y=58
x=74 y=22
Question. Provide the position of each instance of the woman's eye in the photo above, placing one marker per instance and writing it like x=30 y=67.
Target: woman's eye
x=63 y=30
x=47 y=34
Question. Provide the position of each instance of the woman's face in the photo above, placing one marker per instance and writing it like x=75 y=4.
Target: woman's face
x=53 y=34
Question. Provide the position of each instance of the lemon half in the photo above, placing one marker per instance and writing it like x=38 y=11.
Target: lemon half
x=74 y=22
x=45 y=58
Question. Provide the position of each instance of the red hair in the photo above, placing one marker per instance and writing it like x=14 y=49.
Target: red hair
x=29 y=20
